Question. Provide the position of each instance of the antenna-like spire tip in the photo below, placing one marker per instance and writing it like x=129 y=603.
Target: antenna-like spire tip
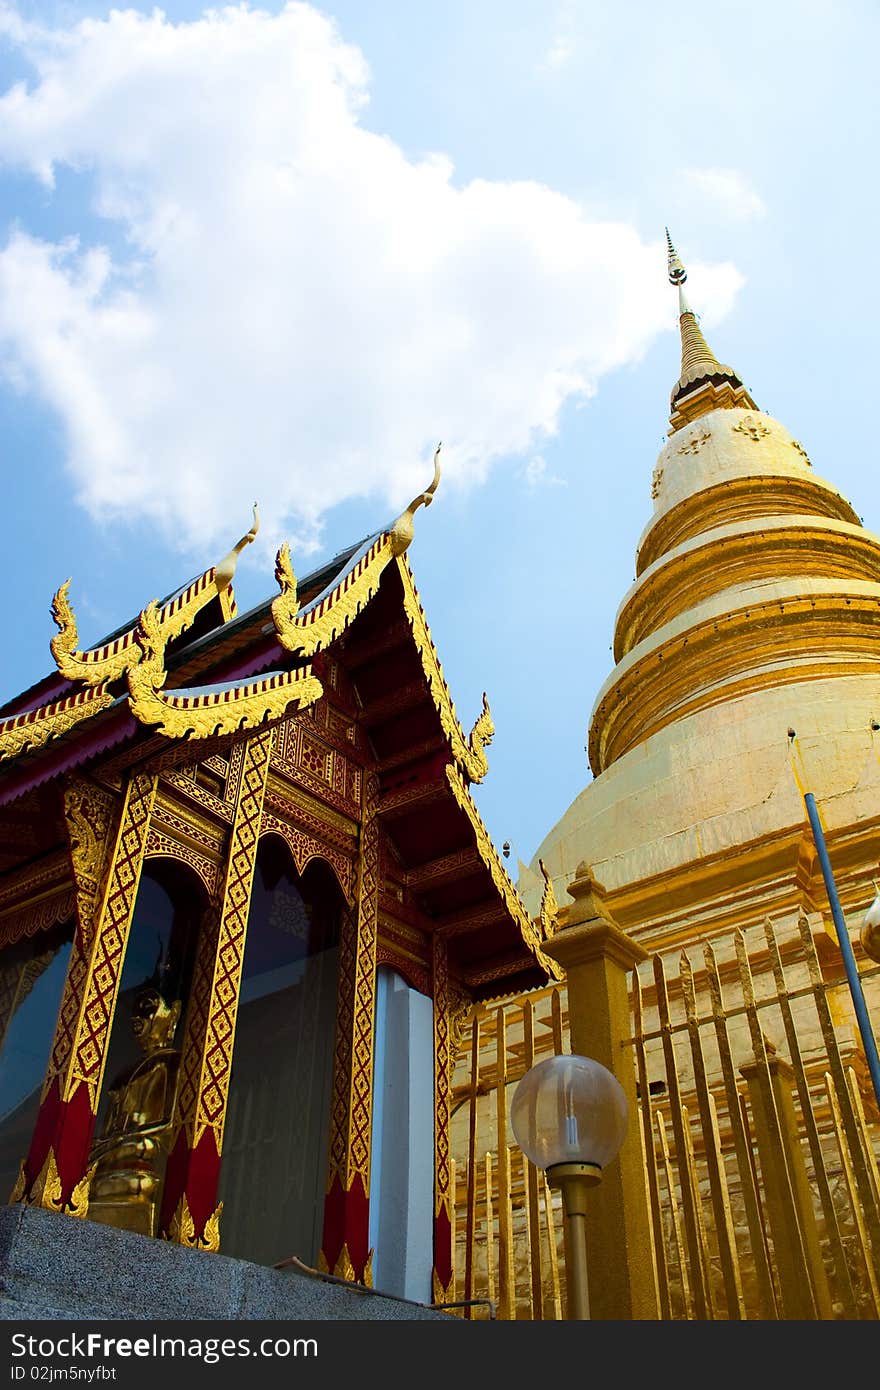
x=677 y=272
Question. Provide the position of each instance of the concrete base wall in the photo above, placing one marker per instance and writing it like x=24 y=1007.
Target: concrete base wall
x=60 y=1267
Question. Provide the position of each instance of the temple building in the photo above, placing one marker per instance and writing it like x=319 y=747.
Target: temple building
x=246 y=902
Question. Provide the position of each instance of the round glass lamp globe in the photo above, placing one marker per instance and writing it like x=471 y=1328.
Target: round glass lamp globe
x=569 y=1109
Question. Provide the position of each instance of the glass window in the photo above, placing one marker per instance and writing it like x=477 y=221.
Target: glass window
x=32 y=976
x=275 y=1138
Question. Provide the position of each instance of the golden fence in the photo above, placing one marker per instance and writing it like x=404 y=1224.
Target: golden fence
x=759 y=1127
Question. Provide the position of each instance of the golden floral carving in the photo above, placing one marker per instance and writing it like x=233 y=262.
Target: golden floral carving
x=461 y=1013
x=695 y=443
x=796 y=444
x=20 y=1186
x=182 y=1228
x=46 y=1190
x=88 y=812
x=753 y=429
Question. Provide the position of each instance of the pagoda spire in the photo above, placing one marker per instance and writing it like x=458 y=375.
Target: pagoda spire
x=705 y=383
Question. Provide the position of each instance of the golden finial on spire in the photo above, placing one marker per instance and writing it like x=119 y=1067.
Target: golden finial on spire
x=677 y=272
x=705 y=383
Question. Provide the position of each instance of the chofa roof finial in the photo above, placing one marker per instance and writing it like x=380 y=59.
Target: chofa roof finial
x=226 y=569
x=402 y=532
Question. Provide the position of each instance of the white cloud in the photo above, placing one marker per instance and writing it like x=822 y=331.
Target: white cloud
x=536 y=474
x=301 y=311
x=729 y=189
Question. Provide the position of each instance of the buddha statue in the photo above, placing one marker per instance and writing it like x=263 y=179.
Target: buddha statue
x=128 y=1158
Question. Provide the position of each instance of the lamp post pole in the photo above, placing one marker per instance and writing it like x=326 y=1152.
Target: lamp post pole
x=569 y=1116
x=846 y=950
x=574 y=1181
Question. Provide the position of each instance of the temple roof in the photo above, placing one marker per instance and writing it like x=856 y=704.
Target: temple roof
x=191 y=673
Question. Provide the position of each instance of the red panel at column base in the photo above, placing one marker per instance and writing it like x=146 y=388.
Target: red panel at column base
x=191 y=1180
x=443 y=1269
x=347 y=1230
x=62 y=1136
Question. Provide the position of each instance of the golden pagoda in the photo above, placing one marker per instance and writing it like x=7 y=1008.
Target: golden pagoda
x=753 y=612
x=682 y=892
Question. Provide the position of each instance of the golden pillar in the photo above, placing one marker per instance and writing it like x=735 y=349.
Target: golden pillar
x=345 y=1244
x=190 y=1212
x=443 y=1270
x=597 y=958
x=55 y=1172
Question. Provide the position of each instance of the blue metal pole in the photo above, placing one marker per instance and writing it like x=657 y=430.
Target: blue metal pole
x=846 y=950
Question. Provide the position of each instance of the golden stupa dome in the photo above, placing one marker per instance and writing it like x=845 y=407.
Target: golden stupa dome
x=754 y=611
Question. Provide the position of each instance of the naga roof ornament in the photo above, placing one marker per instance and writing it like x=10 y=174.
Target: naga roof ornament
x=139 y=654
x=705 y=383
x=98 y=668
x=110 y=661
x=549 y=914
x=210 y=710
x=304 y=632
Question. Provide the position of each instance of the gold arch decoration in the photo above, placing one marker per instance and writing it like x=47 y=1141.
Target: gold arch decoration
x=162 y=846
x=304 y=848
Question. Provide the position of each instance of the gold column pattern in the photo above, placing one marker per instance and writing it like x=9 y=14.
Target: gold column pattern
x=54 y=1174
x=345 y=1248
x=443 y=1273
x=190 y=1212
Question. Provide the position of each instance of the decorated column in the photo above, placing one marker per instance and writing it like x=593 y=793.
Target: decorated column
x=345 y=1249
x=55 y=1172
x=443 y=1272
x=190 y=1212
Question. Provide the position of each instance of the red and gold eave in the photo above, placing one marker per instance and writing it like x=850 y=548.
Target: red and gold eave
x=441 y=873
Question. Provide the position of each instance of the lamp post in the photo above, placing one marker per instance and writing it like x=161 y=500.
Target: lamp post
x=869 y=1042
x=569 y=1116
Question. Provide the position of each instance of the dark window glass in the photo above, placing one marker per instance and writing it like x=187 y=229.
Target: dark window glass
x=134 y=1131
x=161 y=946
x=32 y=976
x=275 y=1139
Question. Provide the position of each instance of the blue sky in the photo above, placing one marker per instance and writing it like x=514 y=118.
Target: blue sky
x=278 y=252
